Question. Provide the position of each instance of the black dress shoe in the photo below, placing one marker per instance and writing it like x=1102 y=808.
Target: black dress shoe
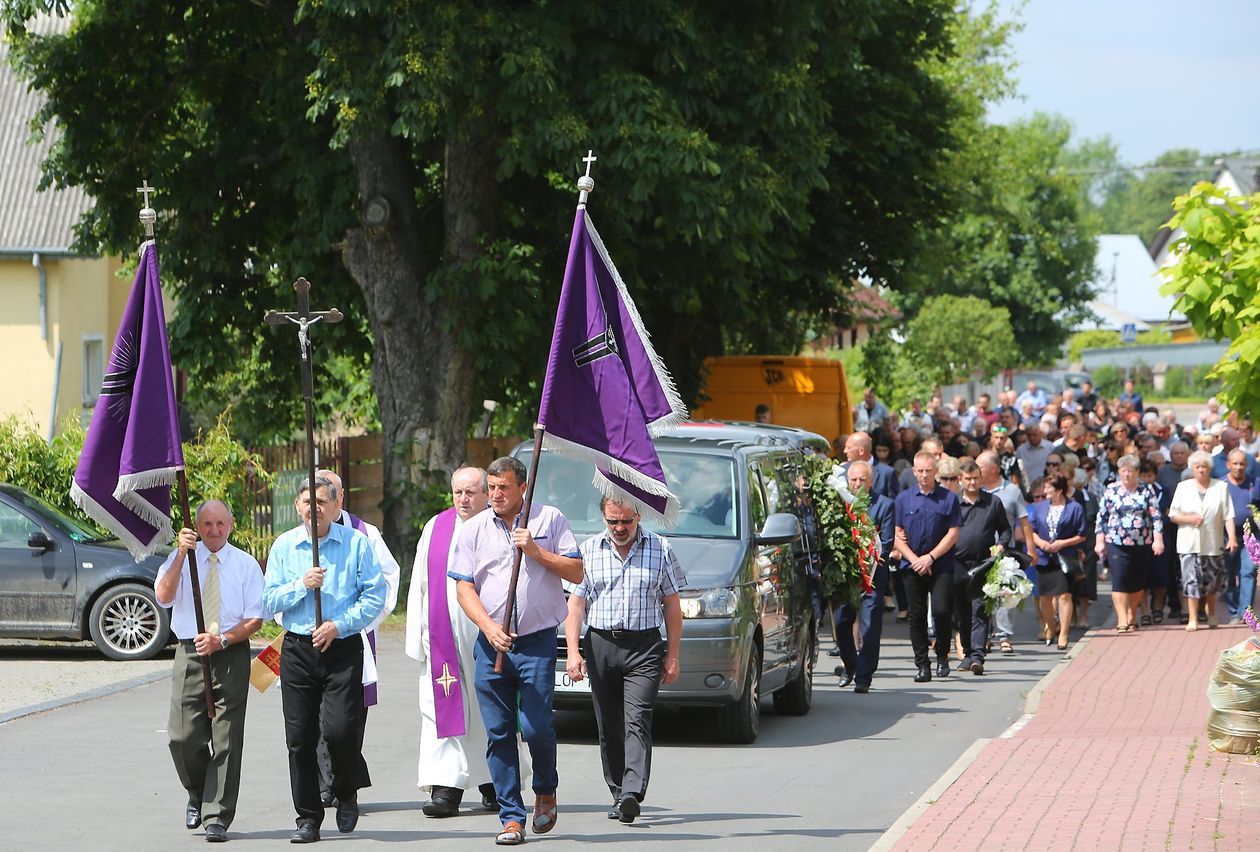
x=846 y=676
x=437 y=807
x=327 y=799
x=443 y=801
x=489 y=799
x=924 y=675
x=192 y=815
x=216 y=833
x=862 y=688
x=628 y=808
x=615 y=811
x=307 y=832
x=347 y=813
x=834 y=652
x=942 y=669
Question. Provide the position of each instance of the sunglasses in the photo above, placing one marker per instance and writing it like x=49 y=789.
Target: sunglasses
x=1001 y=430
x=1053 y=464
x=948 y=478
x=619 y=522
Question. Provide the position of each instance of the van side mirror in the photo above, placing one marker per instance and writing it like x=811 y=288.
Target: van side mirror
x=780 y=528
x=39 y=540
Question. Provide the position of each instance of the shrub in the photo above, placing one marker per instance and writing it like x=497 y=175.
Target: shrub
x=218 y=467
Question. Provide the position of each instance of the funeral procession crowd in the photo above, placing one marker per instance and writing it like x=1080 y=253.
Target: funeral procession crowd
x=1082 y=489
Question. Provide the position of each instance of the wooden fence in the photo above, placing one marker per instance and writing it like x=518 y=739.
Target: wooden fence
x=359 y=461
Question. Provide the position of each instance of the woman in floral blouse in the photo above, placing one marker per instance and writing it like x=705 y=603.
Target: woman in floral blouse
x=1130 y=536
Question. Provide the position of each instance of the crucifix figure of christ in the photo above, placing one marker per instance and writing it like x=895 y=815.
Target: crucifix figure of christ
x=304 y=318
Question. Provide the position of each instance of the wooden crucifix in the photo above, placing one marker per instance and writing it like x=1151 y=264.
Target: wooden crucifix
x=304 y=318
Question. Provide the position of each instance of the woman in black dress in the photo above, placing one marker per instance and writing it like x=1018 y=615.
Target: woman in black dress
x=1058 y=526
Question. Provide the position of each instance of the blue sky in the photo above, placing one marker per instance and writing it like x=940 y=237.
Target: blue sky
x=1153 y=75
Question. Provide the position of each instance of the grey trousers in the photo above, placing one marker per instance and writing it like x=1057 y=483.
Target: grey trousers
x=207 y=753
x=625 y=675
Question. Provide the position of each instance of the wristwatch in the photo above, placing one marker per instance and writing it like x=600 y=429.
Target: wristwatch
x=223 y=641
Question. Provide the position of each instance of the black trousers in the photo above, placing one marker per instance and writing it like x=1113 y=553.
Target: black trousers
x=325 y=686
x=625 y=674
x=361 y=777
x=940 y=584
x=970 y=619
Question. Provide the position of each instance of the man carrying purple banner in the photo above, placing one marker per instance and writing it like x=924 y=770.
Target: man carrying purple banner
x=482 y=567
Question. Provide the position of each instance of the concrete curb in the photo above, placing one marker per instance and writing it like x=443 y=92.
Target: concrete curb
x=897 y=830
x=99 y=692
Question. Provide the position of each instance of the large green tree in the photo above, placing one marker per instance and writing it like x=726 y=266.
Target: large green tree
x=415 y=161
x=1216 y=281
x=1019 y=239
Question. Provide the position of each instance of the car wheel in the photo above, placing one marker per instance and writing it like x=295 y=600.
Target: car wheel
x=126 y=623
x=741 y=722
x=796 y=698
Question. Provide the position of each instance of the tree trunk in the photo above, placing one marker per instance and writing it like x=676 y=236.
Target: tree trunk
x=424 y=410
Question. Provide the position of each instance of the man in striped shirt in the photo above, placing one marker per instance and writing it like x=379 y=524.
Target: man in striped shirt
x=630 y=585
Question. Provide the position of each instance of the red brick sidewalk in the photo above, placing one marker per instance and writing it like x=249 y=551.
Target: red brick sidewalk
x=1115 y=757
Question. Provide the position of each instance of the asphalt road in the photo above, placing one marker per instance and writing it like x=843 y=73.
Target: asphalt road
x=97 y=774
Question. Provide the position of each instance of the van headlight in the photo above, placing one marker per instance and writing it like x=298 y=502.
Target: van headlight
x=710 y=603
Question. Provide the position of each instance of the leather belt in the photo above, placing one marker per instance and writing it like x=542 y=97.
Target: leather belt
x=617 y=633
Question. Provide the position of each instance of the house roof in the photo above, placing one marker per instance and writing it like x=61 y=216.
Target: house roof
x=1127 y=286
x=1244 y=171
x=30 y=220
x=866 y=305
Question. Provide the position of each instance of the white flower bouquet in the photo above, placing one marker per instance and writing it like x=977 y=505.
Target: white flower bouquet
x=1006 y=586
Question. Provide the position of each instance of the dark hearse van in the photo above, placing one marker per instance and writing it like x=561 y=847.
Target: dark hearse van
x=748 y=620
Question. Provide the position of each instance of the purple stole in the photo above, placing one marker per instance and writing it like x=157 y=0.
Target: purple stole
x=448 y=699
x=369 y=689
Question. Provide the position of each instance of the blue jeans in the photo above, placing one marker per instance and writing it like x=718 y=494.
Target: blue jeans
x=1240 y=590
x=528 y=681
x=871 y=620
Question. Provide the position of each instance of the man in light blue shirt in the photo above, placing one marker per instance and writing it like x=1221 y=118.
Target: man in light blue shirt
x=321 y=665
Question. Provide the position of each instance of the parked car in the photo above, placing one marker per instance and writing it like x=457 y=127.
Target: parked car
x=61 y=581
x=748 y=620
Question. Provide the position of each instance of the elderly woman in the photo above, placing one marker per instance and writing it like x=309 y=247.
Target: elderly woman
x=1130 y=535
x=1204 y=514
x=1058 y=525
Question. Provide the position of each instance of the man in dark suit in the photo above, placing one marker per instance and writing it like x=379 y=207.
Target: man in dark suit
x=859 y=666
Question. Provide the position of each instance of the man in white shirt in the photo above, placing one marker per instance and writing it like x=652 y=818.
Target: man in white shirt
x=207 y=752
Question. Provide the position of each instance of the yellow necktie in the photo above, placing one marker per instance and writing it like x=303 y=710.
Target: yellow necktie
x=210 y=602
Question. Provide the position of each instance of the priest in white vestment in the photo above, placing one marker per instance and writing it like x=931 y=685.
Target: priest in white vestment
x=452 y=735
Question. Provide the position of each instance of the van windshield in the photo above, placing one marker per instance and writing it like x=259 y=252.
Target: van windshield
x=705 y=485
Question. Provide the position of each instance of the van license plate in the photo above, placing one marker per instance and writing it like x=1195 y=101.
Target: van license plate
x=564 y=683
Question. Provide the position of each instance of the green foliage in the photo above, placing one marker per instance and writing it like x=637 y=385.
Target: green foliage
x=218 y=467
x=953 y=337
x=1019 y=239
x=847 y=538
x=42 y=468
x=1108 y=381
x=878 y=364
x=745 y=172
x=1217 y=284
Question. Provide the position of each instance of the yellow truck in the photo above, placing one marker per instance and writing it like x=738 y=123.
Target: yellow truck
x=808 y=393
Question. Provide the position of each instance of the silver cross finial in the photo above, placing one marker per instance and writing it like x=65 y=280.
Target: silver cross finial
x=148 y=216
x=586 y=183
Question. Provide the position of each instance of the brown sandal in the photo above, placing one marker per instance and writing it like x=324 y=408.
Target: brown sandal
x=545 y=813
x=513 y=834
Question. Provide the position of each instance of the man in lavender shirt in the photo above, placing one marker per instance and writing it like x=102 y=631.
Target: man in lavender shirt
x=482 y=569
